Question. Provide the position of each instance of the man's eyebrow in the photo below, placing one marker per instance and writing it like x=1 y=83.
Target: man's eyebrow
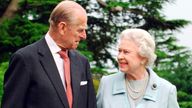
x=84 y=27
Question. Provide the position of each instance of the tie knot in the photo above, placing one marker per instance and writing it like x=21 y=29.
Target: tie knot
x=63 y=54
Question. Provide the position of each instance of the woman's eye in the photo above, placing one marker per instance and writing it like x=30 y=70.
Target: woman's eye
x=125 y=52
x=119 y=51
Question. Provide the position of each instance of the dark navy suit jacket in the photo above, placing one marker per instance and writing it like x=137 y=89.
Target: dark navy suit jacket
x=32 y=80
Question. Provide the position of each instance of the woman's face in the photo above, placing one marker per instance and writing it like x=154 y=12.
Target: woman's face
x=129 y=60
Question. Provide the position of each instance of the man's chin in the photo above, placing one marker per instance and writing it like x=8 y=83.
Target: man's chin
x=74 y=47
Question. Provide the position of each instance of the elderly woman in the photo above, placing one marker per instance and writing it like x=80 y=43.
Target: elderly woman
x=137 y=85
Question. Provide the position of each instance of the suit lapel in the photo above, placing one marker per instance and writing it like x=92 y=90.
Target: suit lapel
x=47 y=62
x=75 y=76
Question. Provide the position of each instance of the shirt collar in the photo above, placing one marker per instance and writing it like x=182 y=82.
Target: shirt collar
x=51 y=44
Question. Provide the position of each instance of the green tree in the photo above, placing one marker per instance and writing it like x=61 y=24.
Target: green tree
x=2 y=71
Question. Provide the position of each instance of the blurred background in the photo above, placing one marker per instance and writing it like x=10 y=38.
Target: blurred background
x=23 y=22
x=179 y=9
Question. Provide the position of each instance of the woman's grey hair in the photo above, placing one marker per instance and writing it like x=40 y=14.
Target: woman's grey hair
x=145 y=42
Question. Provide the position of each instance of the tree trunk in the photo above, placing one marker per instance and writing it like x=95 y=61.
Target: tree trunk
x=10 y=11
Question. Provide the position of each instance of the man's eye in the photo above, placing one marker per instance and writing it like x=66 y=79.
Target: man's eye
x=80 y=30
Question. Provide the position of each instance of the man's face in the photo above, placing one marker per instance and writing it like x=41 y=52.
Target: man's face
x=75 y=33
x=70 y=34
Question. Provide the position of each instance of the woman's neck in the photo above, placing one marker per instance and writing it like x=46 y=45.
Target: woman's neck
x=137 y=75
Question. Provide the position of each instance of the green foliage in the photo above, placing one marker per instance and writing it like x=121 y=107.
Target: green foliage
x=23 y=31
x=18 y=32
x=161 y=54
x=83 y=50
x=99 y=71
x=185 y=104
x=176 y=67
x=183 y=96
x=96 y=84
x=174 y=64
x=37 y=10
x=3 y=67
x=112 y=4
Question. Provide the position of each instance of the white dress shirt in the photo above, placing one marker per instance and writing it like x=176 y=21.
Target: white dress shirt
x=58 y=60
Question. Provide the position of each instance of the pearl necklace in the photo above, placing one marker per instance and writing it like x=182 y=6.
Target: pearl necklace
x=136 y=93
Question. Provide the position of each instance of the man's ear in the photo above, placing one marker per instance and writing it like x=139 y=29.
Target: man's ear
x=62 y=27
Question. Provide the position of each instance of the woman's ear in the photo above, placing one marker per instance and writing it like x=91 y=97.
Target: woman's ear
x=144 y=61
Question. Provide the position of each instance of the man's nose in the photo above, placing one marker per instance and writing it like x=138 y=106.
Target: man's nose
x=83 y=36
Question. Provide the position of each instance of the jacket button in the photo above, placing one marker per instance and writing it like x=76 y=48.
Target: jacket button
x=154 y=86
